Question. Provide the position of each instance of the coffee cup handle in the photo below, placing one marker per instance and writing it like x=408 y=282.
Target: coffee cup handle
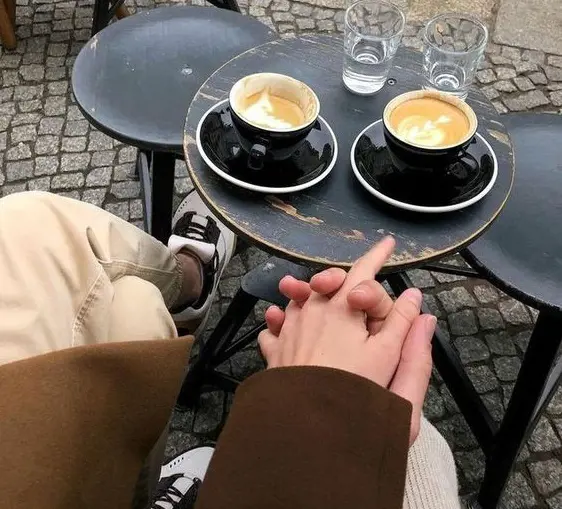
x=256 y=157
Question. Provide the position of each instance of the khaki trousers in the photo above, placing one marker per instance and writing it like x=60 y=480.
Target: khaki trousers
x=72 y=274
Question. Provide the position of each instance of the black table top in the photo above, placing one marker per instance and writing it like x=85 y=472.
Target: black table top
x=336 y=221
x=135 y=79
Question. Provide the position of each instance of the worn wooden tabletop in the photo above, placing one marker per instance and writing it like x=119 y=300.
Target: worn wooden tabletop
x=336 y=221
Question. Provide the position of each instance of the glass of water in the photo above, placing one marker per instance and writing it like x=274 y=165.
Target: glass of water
x=372 y=34
x=453 y=47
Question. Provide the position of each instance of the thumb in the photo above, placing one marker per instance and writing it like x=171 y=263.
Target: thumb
x=414 y=368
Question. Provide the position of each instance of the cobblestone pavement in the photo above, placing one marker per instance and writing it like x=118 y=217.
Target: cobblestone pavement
x=45 y=144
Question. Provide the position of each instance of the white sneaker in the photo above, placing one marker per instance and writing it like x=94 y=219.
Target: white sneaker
x=181 y=478
x=196 y=229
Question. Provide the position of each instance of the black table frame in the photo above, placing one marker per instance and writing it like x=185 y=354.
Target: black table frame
x=536 y=383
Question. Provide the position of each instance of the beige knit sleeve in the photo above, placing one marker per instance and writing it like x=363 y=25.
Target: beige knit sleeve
x=431 y=477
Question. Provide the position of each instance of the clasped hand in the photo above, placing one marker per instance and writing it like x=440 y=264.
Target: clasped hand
x=348 y=321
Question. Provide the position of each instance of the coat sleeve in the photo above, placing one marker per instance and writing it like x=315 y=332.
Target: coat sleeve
x=307 y=438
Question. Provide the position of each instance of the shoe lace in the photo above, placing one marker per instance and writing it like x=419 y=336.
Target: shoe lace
x=166 y=490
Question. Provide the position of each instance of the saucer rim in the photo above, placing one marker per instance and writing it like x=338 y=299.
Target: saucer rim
x=422 y=208
x=255 y=187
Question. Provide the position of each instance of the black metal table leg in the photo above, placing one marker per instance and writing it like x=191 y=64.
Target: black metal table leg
x=531 y=393
x=226 y=329
x=163 y=167
x=99 y=21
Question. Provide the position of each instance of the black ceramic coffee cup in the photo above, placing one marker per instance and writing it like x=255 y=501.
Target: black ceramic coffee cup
x=262 y=142
x=408 y=155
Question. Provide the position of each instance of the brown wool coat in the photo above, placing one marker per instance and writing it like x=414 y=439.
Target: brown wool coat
x=76 y=426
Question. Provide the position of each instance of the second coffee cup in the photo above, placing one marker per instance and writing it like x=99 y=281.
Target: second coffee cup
x=427 y=129
x=272 y=115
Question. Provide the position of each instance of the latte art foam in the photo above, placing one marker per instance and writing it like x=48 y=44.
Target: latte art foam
x=417 y=129
x=429 y=122
x=271 y=111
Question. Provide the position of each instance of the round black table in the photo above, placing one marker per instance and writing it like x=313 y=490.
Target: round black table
x=336 y=221
x=135 y=79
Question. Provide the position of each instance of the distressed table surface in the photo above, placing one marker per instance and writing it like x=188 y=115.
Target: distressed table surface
x=336 y=221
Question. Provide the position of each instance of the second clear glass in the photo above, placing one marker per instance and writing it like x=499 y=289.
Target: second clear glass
x=453 y=45
x=372 y=34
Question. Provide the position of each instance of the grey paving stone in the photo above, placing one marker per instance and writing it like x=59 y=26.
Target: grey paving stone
x=523 y=67
x=51 y=125
x=523 y=83
x=76 y=128
x=486 y=76
x=494 y=403
x=178 y=442
x=482 y=378
x=543 y=437
x=505 y=73
x=19 y=152
x=457 y=433
x=555 y=406
x=127 y=155
x=235 y=268
x=489 y=319
x=514 y=312
x=456 y=299
x=431 y=304
x=39 y=184
x=99 y=141
x=555 y=502
x=94 y=196
x=229 y=286
x=104 y=158
x=32 y=72
x=434 y=406
x=553 y=73
x=547 y=475
x=19 y=170
x=130 y=189
x=526 y=101
x=46 y=165
x=48 y=144
x=505 y=86
x=119 y=209
x=462 y=323
x=55 y=105
x=23 y=133
x=501 y=343
x=507 y=368
x=556 y=98
x=471 y=463
x=99 y=177
x=447 y=278
x=210 y=413
x=421 y=278
x=518 y=494
x=246 y=363
x=68 y=181
x=471 y=349
x=136 y=209
x=485 y=293
x=522 y=340
x=75 y=162
x=73 y=144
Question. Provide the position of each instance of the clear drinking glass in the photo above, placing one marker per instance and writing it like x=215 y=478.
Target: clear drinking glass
x=372 y=34
x=453 y=47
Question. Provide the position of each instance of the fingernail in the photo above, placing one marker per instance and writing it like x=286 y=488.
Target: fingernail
x=414 y=295
x=430 y=323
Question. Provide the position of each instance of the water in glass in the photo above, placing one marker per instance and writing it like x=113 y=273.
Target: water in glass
x=372 y=35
